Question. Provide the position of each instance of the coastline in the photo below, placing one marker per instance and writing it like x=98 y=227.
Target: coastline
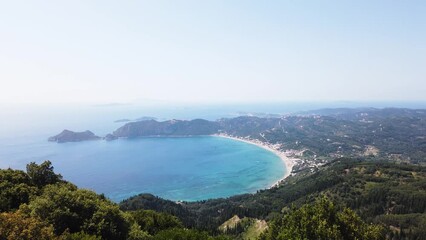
x=289 y=162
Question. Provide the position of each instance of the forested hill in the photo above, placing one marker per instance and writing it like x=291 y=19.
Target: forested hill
x=388 y=194
x=389 y=134
x=39 y=204
x=167 y=128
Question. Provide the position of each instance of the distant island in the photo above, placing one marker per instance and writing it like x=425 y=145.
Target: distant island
x=70 y=136
x=110 y=137
x=122 y=120
x=145 y=118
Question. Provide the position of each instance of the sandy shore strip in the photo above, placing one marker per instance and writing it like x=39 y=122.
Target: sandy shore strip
x=288 y=161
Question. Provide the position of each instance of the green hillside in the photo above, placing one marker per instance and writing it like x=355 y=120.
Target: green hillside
x=389 y=194
x=38 y=204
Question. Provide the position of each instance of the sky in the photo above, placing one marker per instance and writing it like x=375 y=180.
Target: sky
x=216 y=51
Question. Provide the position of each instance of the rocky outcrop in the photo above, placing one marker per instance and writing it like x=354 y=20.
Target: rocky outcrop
x=110 y=137
x=70 y=136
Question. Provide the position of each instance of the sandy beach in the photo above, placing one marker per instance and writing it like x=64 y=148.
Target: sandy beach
x=288 y=161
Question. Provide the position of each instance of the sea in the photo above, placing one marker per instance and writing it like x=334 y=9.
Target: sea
x=174 y=168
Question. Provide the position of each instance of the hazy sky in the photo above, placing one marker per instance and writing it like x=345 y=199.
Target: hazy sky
x=212 y=51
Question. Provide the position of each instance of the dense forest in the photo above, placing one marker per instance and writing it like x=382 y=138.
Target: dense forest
x=39 y=204
x=392 y=195
x=382 y=199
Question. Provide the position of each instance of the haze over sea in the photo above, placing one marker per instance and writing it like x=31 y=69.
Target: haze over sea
x=183 y=168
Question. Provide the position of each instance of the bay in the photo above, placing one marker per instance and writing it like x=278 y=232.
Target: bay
x=175 y=168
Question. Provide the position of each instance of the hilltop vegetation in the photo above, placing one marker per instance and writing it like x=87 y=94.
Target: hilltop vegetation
x=389 y=194
x=38 y=204
x=321 y=220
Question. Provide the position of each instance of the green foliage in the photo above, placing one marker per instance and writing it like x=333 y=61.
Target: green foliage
x=68 y=208
x=151 y=202
x=185 y=234
x=136 y=233
x=15 y=189
x=17 y=226
x=108 y=222
x=50 y=208
x=322 y=220
x=79 y=236
x=408 y=226
x=371 y=188
x=153 y=222
x=42 y=174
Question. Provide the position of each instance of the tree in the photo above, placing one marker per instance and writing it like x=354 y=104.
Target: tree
x=153 y=222
x=185 y=234
x=15 y=189
x=16 y=226
x=42 y=174
x=322 y=220
x=70 y=209
x=136 y=233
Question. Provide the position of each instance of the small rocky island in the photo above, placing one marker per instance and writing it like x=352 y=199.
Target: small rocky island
x=122 y=120
x=110 y=137
x=70 y=136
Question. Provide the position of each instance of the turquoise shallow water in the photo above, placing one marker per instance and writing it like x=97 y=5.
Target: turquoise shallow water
x=192 y=168
x=178 y=168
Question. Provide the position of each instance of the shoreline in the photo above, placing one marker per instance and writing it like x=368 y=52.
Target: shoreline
x=288 y=161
